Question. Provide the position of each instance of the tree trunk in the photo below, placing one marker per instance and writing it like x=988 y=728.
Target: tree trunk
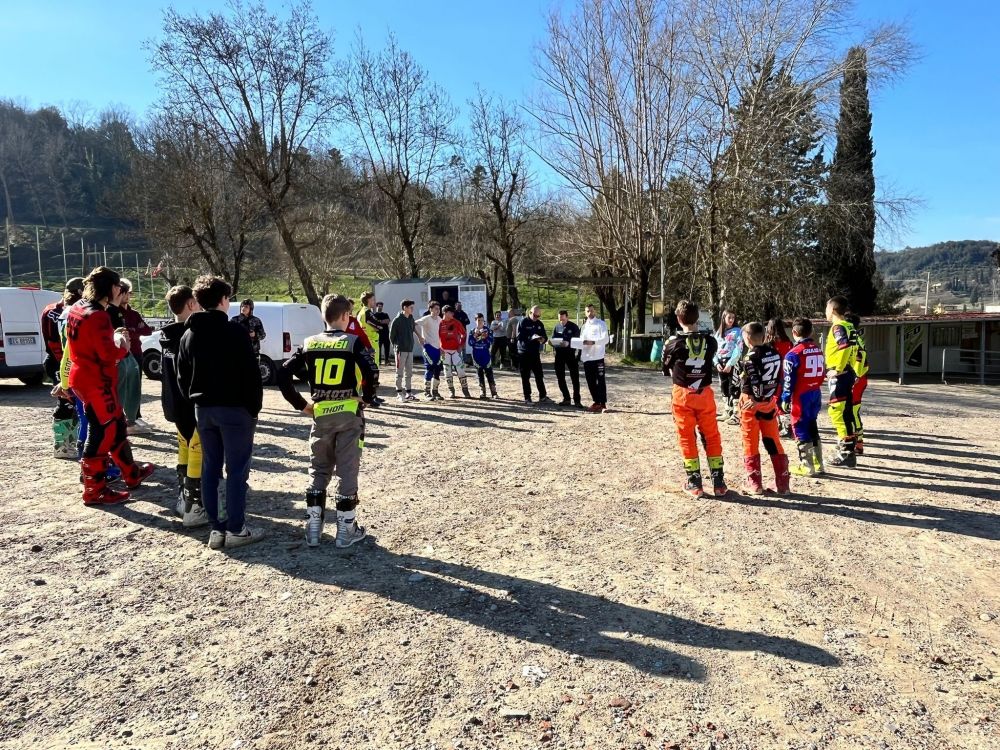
x=295 y=255
x=639 y=300
x=614 y=311
x=406 y=237
x=511 y=283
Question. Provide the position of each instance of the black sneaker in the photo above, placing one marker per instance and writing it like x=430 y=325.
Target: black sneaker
x=565 y=402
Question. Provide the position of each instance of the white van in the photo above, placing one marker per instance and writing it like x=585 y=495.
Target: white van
x=22 y=349
x=286 y=326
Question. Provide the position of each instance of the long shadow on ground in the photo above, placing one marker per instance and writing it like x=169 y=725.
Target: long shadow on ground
x=517 y=607
x=965 y=522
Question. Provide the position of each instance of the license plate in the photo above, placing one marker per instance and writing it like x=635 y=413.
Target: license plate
x=20 y=341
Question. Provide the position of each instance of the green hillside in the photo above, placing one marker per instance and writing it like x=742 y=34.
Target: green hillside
x=961 y=273
x=969 y=259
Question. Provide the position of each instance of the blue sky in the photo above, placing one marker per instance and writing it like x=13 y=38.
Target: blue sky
x=935 y=131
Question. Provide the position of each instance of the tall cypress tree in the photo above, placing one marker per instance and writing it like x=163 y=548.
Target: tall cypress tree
x=849 y=234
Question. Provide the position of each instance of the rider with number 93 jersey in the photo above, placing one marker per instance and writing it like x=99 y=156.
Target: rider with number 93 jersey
x=338 y=367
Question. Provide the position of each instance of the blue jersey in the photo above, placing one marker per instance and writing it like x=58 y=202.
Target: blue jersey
x=481 y=340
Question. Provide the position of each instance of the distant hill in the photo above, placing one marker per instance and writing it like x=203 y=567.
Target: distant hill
x=961 y=271
x=944 y=258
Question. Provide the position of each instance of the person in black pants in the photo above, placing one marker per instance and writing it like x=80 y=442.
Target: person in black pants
x=217 y=370
x=566 y=357
x=530 y=340
x=380 y=315
x=514 y=319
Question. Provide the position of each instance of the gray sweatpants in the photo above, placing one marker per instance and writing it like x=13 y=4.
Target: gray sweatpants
x=335 y=443
x=404 y=371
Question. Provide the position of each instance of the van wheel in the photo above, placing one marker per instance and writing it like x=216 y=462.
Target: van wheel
x=33 y=381
x=152 y=365
x=268 y=372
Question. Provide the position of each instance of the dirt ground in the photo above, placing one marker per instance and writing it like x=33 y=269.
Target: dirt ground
x=533 y=579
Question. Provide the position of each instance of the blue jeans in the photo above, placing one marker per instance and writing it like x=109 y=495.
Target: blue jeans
x=226 y=434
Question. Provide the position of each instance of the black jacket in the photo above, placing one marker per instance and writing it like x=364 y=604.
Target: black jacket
x=525 y=330
x=176 y=406
x=566 y=332
x=216 y=364
x=252 y=323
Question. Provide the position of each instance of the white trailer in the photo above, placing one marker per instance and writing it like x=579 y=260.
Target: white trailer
x=469 y=291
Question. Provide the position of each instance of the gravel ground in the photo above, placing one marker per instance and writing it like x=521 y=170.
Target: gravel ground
x=534 y=578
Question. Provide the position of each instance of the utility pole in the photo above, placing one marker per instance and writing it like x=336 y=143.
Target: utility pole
x=38 y=251
x=927 y=296
x=105 y=249
x=83 y=258
x=62 y=235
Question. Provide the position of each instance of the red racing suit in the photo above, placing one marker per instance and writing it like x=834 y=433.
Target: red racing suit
x=452 y=335
x=93 y=375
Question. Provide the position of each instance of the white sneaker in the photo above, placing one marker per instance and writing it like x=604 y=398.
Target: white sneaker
x=143 y=425
x=314 y=525
x=195 y=517
x=217 y=539
x=349 y=532
x=401 y=397
x=245 y=537
x=411 y=397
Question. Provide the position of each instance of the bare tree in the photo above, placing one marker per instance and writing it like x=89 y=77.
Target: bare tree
x=402 y=124
x=261 y=87
x=730 y=42
x=613 y=114
x=501 y=183
x=189 y=197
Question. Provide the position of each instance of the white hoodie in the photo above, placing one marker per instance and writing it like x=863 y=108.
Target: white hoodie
x=596 y=330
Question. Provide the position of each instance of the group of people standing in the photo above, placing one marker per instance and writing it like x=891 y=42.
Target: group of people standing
x=766 y=377
x=212 y=390
x=212 y=393
x=443 y=334
x=90 y=355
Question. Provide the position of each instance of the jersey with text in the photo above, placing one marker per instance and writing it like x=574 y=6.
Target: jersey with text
x=804 y=369
x=759 y=371
x=338 y=367
x=687 y=359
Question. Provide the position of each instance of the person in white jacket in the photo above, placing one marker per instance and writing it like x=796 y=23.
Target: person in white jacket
x=594 y=334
